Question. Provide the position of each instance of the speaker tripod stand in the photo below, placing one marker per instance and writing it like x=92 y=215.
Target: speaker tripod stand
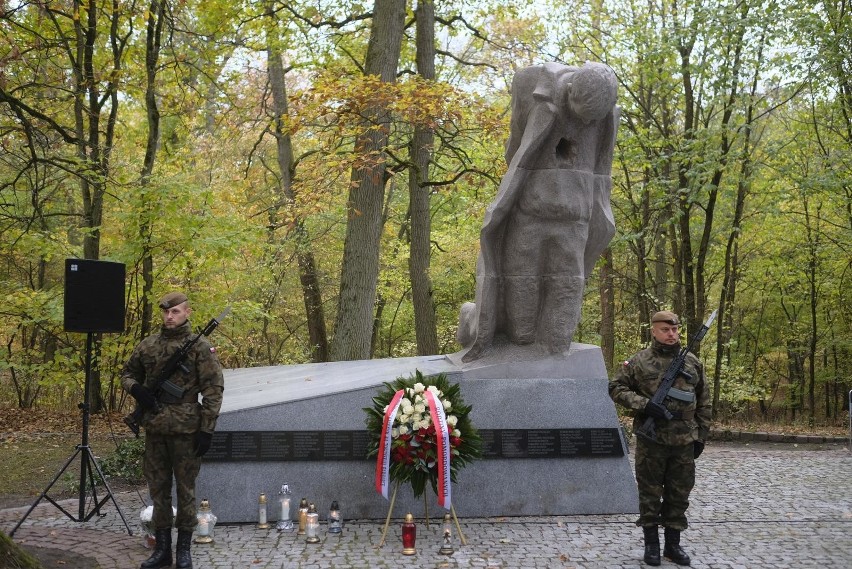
x=88 y=467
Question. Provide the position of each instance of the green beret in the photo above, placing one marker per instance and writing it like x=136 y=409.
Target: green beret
x=172 y=299
x=665 y=316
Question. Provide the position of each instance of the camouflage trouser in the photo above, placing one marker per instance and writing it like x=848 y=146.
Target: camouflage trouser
x=167 y=456
x=665 y=476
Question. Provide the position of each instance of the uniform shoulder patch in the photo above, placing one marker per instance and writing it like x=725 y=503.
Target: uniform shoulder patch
x=212 y=350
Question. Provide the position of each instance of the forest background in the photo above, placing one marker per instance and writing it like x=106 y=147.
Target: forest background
x=324 y=167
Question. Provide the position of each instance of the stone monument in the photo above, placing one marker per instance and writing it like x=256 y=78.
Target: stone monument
x=551 y=218
x=553 y=443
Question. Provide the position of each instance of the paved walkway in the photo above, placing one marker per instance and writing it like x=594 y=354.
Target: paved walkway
x=758 y=505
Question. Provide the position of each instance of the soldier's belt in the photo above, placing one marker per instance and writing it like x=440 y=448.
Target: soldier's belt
x=189 y=397
x=686 y=415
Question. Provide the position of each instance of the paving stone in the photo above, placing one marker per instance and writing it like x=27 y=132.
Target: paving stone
x=756 y=506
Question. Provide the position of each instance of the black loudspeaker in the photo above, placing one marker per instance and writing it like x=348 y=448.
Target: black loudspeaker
x=94 y=296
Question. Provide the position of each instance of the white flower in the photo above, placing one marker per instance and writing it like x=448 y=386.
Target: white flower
x=394 y=433
x=435 y=391
x=419 y=387
x=420 y=408
x=447 y=404
x=403 y=430
x=456 y=433
x=452 y=420
x=385 y=410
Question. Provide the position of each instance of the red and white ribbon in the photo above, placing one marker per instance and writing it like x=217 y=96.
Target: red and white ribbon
x=383 y=460
x=439 y=419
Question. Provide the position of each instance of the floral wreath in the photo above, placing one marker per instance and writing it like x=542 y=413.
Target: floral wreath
x=414 y=439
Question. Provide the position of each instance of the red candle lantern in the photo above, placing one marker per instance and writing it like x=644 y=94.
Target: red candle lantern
x=409 y=535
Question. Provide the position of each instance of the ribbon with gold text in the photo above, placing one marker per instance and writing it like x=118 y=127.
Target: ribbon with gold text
x=383 y=460
x=439 y=419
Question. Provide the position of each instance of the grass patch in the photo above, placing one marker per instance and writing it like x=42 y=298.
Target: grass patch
x=31 y=461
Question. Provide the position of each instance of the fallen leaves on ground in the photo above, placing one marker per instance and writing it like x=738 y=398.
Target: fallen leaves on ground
x=39 y=421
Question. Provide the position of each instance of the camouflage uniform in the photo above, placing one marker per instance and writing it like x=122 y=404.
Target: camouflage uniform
x=170 y=434
x=665 y=470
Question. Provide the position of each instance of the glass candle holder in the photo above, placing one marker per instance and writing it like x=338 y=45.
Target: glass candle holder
x=446 y=536
x=284 y=499
x=312 y=525
x=303 y=516
x=335 y=521
x=409 y=535
x=262 y=522
x=206 y=521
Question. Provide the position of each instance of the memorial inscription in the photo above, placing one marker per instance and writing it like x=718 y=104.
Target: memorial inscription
x=263 y=446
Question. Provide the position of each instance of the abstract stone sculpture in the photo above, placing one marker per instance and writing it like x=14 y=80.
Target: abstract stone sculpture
x=551 y=218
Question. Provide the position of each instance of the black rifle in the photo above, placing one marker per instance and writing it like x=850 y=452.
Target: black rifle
x=164 y=388
x=648 y=430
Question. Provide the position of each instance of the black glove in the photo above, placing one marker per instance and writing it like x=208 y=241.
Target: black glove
x=697 y=448
x=656 y=410
x=143 y=396
x=202 y=443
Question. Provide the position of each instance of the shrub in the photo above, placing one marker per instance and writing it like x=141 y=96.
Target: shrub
x=125 y=463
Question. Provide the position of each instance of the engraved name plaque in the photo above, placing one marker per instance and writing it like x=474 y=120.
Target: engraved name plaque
x=253 y=446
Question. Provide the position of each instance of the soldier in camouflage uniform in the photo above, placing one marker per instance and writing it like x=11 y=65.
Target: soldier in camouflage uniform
x=177 y=433
x=665 y=470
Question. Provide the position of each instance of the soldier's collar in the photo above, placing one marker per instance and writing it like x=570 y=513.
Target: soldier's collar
x=664 y=349
x=181 y=330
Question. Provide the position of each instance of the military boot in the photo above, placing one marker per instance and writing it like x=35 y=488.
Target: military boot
x=652 y=545
x=183 y=560
x=672 y=550
x=162 y=556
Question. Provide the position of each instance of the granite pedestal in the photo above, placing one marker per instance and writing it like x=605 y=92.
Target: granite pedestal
x=512 y=390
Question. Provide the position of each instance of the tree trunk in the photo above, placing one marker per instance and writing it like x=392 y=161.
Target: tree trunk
x=93 y=151
x=725 y=324
x=421 y=223
x=14 y=556
x=154 y=31
x=813 y=236
x=359 y=273
x=311 y=290
x=796 y=373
